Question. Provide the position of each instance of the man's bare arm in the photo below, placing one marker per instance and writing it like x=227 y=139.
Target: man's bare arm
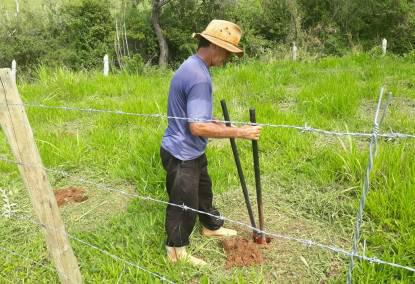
x=215 y=130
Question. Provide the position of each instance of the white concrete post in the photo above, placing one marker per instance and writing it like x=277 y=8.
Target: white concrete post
x=384 y=46
x=294 y=51
x=106 y=65
x=14 y=70
x=17 y=8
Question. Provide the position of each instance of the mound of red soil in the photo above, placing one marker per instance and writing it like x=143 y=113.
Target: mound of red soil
x=241 y=252
x=70 y=194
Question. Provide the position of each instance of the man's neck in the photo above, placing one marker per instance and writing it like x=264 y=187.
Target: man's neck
x=204 y=55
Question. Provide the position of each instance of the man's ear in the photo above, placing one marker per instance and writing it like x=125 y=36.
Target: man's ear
x=212 y=49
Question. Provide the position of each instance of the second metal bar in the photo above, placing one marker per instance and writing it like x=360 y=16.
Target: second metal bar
x=238 y=166
x=255 y=152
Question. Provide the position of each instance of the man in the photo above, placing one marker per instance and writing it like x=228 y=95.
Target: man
x=183 y=147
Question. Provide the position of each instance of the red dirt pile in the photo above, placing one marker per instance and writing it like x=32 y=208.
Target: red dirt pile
x=70 y=194
x=241 y=252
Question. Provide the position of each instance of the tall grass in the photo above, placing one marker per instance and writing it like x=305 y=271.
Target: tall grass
x=318 y=177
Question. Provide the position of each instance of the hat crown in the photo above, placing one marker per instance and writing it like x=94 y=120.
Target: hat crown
x=224 y=30
x=223 y=34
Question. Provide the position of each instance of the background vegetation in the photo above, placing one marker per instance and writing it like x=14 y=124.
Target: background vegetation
x=77 y=34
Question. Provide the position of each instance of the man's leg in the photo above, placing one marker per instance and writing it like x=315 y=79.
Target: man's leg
x=182 y=181
x=212 y=226
x=206 y=198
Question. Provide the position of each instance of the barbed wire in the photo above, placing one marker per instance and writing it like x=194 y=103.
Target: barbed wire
x=12 y=252
x=157 y=275
x=366 y=184
x=306 y=242
x=353 y=254
x=113 y=256
x=304 y=129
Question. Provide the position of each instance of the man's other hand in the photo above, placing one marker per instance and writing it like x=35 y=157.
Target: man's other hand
x=250 y=132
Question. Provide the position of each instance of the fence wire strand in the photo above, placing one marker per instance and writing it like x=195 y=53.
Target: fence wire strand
x=157 y=275
x=30 y=219
x=306 y=242
x=12 y=252
x=304 y=129
x=366 y=184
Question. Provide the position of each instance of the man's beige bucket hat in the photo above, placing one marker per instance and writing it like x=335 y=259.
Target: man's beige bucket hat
x=223 y=34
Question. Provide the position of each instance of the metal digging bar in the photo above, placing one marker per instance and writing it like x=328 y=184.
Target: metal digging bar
x=239 y=168
x=261 y=238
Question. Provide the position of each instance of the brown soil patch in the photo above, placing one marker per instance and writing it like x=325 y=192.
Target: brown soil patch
x=70 y=194
x=241 y=252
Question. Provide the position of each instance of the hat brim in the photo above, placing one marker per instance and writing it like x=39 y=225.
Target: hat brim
x=221 y=43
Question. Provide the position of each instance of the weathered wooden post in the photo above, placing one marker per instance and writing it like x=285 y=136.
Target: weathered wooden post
x=294 y=52
x=384 y=46
x=14 y=70
x=106 y=65
x=16 y=127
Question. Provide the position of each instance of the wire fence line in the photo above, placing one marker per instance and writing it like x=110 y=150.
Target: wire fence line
x=304 y=129
x=366 y=184
x=12 y=252
x=353 y=254
x=88 y=244
x=157 y=275
x=115 y=257
x=306 y=242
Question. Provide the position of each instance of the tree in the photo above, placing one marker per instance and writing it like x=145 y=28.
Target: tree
x=86 y=33
x=157 y=6
x=24 y=40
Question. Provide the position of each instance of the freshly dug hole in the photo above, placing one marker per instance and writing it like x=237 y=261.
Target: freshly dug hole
x=241 y=252
x=70 y=194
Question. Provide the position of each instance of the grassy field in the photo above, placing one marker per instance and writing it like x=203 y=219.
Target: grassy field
x=312 y=183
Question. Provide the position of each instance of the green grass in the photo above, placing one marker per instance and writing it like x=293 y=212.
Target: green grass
x=311 y=183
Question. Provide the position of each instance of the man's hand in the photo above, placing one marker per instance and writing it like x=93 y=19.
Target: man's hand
x=250 y=132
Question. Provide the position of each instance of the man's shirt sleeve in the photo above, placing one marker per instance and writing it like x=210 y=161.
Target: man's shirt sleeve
x=199 y=102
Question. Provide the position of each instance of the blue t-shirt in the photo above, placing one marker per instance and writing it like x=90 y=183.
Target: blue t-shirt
x=190 y=96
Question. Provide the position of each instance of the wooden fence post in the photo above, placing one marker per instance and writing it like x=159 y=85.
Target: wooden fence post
x=16 y=127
